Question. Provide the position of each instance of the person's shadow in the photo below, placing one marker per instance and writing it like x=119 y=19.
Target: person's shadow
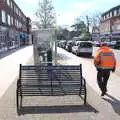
x=114 y=102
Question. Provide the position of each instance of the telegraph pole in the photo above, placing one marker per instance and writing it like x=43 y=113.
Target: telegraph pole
x=88 y=23
x=110 y=30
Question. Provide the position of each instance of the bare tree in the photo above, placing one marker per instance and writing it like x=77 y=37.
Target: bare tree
x=45 y=14
x=95 y=19
x=37 y=24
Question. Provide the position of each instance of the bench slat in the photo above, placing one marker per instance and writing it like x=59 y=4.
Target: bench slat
x=51 y=81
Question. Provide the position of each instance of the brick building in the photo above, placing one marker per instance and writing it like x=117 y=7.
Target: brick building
x=110 y=25
x=95 y=33
x=15 y=27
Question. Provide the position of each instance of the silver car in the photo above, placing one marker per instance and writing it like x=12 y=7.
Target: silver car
x=83 y=48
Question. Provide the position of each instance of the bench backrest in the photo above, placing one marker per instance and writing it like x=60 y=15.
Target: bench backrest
x=46 y=80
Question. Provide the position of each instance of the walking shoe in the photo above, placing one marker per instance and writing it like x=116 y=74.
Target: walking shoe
x=103 y=93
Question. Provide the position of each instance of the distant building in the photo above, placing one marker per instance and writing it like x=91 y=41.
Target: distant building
x=110 y=24
x=14 y=26
x=95 y=33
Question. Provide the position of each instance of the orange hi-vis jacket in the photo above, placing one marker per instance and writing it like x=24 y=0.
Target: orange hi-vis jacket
x=104 y=58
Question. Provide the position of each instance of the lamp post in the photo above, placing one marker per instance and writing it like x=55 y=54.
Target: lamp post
x=110 y=30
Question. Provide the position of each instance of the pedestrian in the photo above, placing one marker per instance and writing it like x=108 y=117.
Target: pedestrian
x=104 y=62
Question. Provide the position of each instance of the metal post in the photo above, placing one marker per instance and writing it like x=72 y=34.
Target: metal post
x=55 y=53
x=110 y=30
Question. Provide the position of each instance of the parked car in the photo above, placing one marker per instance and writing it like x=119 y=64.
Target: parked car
x=83 y=48
x=112 y=44
x=117 y=46
x=96 y=43
x=62 y=43
x=77 y=42
x=69 y=46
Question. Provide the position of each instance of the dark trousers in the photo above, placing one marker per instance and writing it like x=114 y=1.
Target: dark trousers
x=102 y=79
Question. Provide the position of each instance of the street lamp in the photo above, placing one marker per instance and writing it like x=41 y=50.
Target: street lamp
x=110 y=30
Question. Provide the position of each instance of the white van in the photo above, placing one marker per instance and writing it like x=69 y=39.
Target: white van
x=83 y=48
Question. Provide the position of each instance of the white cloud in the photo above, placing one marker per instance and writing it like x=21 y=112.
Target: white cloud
x=68 y=15
x=82 y=6
x=85 y=7
x=112 y=1
x=30 y=2
x=31 y=15
x=66 y=18
x=76 y=10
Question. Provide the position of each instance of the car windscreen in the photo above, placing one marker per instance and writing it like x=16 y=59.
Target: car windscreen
x=85 y=45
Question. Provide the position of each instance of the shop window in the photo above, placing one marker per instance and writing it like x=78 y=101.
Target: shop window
x=11 y=4
x=11 y=20
x=110 y=14
x=9 y=23
x=17 y=11
x=15 y=22
x=8 y=2
x=104 y=17
x=119 y=11
x=115 y=12
x=3 y=16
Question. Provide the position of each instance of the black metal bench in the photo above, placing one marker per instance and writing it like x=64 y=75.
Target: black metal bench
x=50 y=81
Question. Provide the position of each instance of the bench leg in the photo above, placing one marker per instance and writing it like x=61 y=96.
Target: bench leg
x=80 y=92
x=83 y=96
x=18 y=102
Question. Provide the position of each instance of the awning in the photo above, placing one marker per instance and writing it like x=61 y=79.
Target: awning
x=23 y=36
x=108 y=35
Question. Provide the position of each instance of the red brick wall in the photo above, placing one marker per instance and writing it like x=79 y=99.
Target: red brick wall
x=105 y=27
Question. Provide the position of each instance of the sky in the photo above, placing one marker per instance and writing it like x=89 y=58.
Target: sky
x=68 y=10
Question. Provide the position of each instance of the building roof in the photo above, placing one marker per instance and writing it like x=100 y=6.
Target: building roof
x=118 y=6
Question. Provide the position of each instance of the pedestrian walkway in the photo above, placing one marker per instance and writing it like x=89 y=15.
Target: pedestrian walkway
x=55 y=108
x=42 y=108
x=9 y=66
x=110 y=103
x=66 y=58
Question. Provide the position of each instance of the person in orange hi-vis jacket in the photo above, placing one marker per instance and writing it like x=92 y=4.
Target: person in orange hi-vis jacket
x=104 y=61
